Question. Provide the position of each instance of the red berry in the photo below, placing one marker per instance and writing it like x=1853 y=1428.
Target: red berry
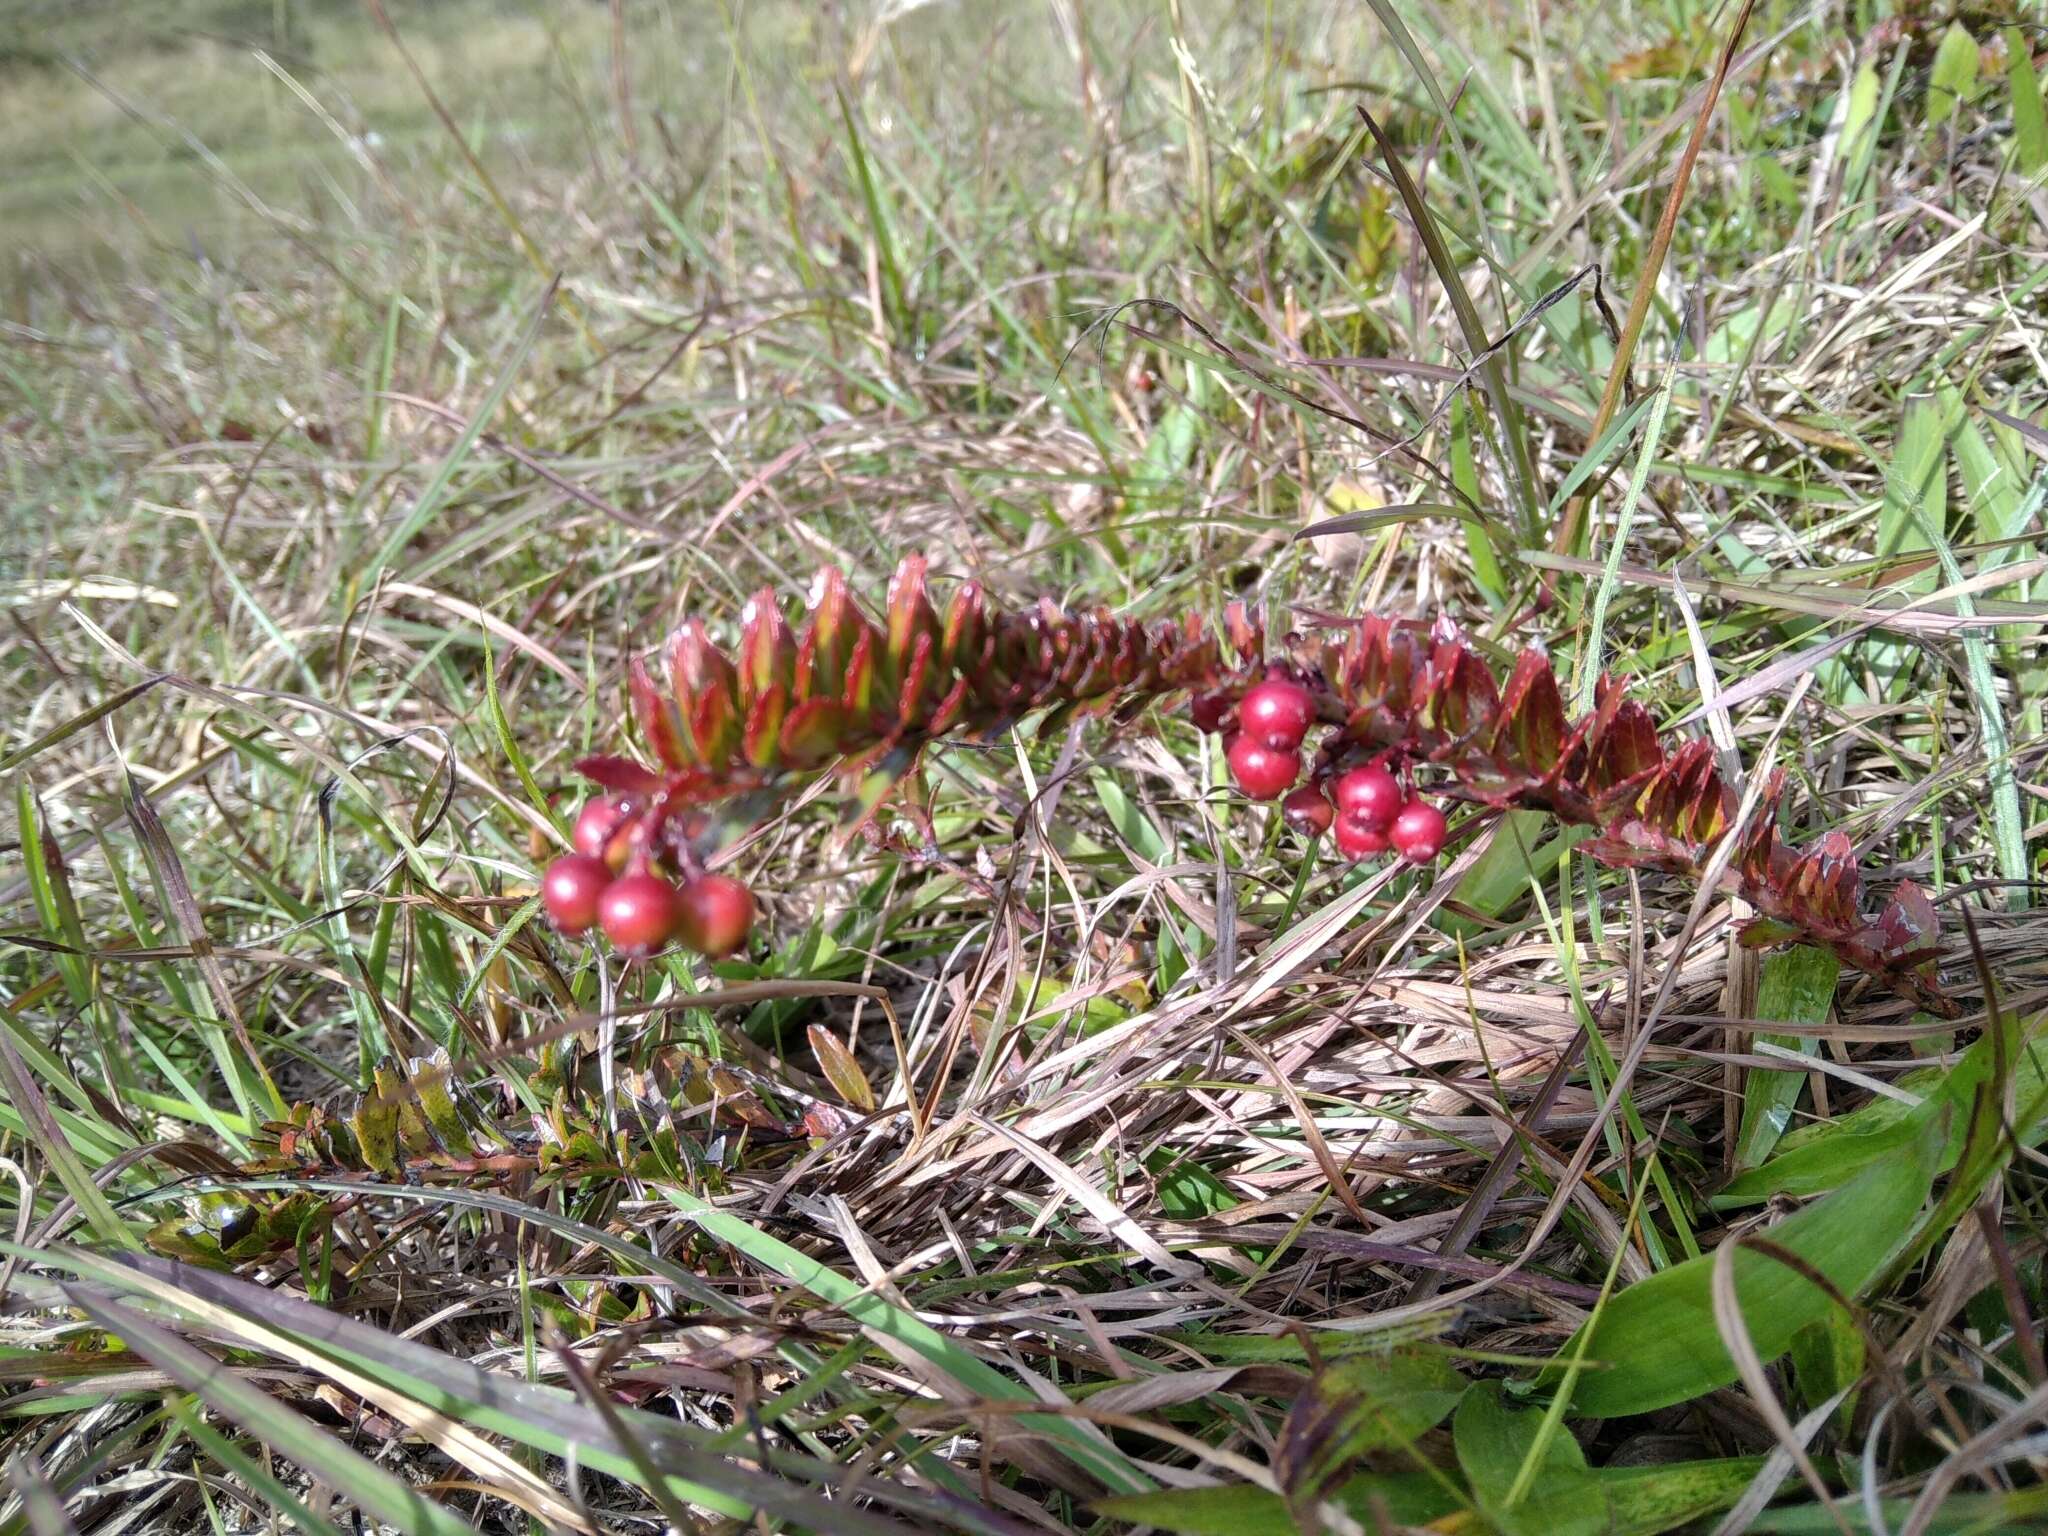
x=1277 y=714
x=570 y=890
x=1308 y=811
x=714 y=914
x=597 y=821
x=1360 y=840
x=638 y=913
x=1418 y=832
x=1370 y=795
x=1209 y=711
x=1260 y=771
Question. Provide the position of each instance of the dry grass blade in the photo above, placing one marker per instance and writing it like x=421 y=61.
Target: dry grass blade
x=1484 y=352
x=1565 y=537
x=1734 y=1331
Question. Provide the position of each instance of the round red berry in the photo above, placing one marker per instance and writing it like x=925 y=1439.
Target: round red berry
x=597 y=821
x=570 y=891
x=1308 y=810
x=1277 y=714
x=1418 y=832
x=1209 y=711
x=714 y=913
x=1260 y=771
x=638 y=913
x=1371 y=795
x=1360 y=840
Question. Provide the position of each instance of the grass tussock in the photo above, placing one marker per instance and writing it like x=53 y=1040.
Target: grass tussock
x=376 y=384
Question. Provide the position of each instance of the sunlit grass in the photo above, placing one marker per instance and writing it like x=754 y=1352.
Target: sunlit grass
x=333 y=519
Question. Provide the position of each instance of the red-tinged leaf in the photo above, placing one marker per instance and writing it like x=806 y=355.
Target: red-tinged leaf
x=879 y=774
x=621 y=775
x=767 y=649
x=841 y=1070
x=1621 y=746
x=1910 y=917
x=696 y=666
x=1353 y=1408
x=1702 y=802
x=740 y=1102
x=660 y=726
x=814 y=731
x=916 y=678
x=947 y=715
x=807 y=668
x=966 y=627
x=831 y=631
x=910 y=611
x=858 y=693
x=1464 y=698
x=1531 y=721
x=1246 y=634
x=824 y=1121
x=715 y=728
x=1818 y=879
x=1634 y=843
x=763 y=739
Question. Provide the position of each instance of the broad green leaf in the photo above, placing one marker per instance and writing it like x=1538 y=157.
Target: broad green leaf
x=2011 y=1063
x=1992 y=470
x=1132 y=824
x=1635 y=1501
x=1826 y=1155
x=1916 y=486
x=1401 y=1498
x=1960 y=1514
x=1486 y=569
x=1953 y=80
x=841 y=1070
x=1518 y=853
x=1187 y=1190
x=2029 y=115
x=1658 y=1337
x=1827 y=1357
x=1162 y=468
x=1643 y=1501
x=1353 y=1407
x=1797 y=986
x=1857 y=114
x=1494 y=1444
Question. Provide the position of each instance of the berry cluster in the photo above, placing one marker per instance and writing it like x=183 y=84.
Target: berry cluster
x=611 y=882
x=1264 y=732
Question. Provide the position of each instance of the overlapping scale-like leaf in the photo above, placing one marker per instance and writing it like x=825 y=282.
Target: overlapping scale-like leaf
x=847 y=692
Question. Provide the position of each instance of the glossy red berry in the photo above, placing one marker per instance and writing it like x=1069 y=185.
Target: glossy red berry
x=714 y=914
x=1369 y=795
x=1260 y=771
x=638 y=913
x=570 y=891
x=1209 y=711
x=1308 y=811
x=1277 y=714
x=1360 y=840
x=597 y=821
x=1418 y=832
